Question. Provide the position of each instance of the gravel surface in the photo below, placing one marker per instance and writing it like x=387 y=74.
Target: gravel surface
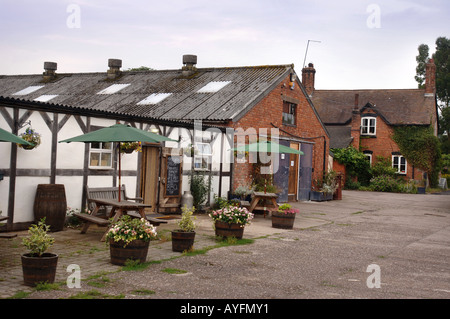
x=406 y=236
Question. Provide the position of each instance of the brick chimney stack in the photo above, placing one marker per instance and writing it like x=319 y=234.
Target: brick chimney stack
x=308 y=75
x=430 y=78
x=355 y=130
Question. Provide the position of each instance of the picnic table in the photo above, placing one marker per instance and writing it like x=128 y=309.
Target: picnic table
x=117 y=210
x=260 y=196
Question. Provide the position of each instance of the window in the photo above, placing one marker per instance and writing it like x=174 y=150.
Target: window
x=289 y=112
x=368 y=126
x=368 y=155
x=203 y=156
x=100 y=155
x=213 y=87
x=29 y=90
x=113 y=89
x=399 y=163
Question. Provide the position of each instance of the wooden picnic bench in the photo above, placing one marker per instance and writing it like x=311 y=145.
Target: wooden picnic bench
x=101 y=216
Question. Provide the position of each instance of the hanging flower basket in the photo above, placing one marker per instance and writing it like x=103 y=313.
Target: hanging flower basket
x=130 y=147
x=30 y=135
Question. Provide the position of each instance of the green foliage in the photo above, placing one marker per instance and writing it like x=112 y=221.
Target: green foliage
x=355 y=162
x=421 y=65
x=383 y=167
x=199 y=189
x=38 y=241
x=386 y=183
x=186 y=223
x=420 y=148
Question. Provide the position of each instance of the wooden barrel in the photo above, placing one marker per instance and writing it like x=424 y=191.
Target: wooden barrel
x=50 y=202
x=135 y=250
x=182 y=241
x=281 y=220
x=39 y=269
x=229 y=230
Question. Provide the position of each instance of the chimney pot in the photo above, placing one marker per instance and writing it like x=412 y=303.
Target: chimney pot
x=49 y=73
x=189 y=61
x=114 y=68
x=50 y=66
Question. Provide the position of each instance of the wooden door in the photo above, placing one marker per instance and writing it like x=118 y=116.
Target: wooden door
x=150 y=175
x=305 y=172
x=293 y=173
x=170 y=186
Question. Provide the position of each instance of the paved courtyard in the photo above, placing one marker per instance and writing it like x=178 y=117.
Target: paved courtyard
x=367 y=245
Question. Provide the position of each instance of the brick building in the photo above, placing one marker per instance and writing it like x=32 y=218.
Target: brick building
x=366 y=118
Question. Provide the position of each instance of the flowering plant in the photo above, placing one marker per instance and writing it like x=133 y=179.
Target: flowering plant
x=127 y=229
x=31 y=136
x=129 y=147
x=287 y=209
x=232 y=215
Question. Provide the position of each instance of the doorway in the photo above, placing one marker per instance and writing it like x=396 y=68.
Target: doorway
x=293 y=173
x=150 y=175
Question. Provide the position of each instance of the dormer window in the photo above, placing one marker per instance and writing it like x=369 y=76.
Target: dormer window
x=369 y=125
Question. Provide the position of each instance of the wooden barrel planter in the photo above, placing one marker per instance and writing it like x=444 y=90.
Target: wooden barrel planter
x=182 y=240
x=39 y=269
x=282 y=220
x=229 y=230
x=135 y=250
x=50 y=202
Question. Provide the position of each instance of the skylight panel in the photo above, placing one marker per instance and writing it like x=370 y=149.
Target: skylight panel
x=29 y=90
x=45 y=97
x=113 y=88
x=154 y=98
x=213 y=87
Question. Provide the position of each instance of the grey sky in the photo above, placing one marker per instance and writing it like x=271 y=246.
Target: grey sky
x=359 y=48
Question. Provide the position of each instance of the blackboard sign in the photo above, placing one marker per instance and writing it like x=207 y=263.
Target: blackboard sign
x=173 y=175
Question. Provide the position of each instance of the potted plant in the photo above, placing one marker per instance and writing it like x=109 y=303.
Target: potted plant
x=129 y=238
x=130 y=147
x=38 y=265
x=183 y=238
x=284 y=217
x=30 y=135
x=230 y=221
x=324 y=189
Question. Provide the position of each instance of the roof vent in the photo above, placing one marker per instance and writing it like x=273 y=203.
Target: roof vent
x=189 y=61
x=114 y=68
x=50 y=68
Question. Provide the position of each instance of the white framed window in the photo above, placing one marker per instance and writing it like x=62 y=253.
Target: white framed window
x=399 y=163
x=368 y=157
x=203 y=156
x=100 y=155
x=368 y=125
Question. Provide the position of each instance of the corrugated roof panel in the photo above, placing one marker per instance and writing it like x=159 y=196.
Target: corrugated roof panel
x=45 y=97
x=113 y=88
x=29 y=90
x=213 y=87
x=154 y=98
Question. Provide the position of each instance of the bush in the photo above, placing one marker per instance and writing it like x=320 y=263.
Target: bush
x=199 y=189
x=384 y=183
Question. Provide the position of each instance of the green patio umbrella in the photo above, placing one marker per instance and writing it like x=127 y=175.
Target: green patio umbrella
x=5 y=136
x=268 y=147
x=118 y=133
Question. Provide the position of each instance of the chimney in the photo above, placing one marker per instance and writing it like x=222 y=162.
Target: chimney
x=114 y=68
x=308 y=75
x=49 y=73
x=430 y=78
x=355 y=129
x=189 y=61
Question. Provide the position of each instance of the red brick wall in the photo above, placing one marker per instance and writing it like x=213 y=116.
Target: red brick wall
x=269 y=111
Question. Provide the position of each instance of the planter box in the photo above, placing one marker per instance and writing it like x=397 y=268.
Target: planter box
x=320 y=196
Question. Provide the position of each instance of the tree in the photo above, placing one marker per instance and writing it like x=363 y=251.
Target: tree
x=421 y=60
x=442 y=61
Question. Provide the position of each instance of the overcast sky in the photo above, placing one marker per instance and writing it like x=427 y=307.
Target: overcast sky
x=364 y=44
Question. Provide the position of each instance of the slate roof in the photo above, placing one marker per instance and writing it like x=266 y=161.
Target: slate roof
x=80 y=90
x=340 y=136
x=397 y=107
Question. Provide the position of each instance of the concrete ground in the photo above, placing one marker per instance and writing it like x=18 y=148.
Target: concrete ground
x=367 y=245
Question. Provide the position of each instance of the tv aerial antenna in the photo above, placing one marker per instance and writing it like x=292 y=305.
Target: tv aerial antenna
x=307 y=46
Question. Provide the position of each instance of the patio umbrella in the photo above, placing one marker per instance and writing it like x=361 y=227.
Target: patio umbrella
x=268 y=147
x=5 y=136
x=118 y=133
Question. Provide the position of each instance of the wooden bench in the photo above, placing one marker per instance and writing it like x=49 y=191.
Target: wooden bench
x=111 y=193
